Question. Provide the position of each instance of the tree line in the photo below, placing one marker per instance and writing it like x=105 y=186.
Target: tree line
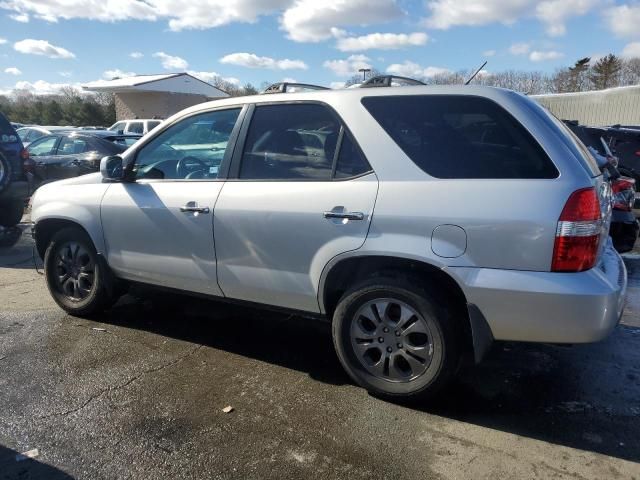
x=584 y=75
x=70 y=107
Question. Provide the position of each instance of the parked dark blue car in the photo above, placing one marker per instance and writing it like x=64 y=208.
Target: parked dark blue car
x=14 y=175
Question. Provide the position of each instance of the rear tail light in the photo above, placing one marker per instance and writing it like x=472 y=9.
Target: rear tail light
x=28 y=165
x=624 y=193
x=638 y=153
x=578 y=233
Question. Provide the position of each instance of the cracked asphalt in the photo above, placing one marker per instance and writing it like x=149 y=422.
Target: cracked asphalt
x=139 y=394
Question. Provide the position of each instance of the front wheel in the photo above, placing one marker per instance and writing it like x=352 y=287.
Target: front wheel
x=75 y=277
x=395 y=340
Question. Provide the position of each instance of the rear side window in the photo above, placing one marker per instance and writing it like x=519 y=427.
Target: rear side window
x=351 y=161
x=136 y=127
x=458 y=136
x=290 y=142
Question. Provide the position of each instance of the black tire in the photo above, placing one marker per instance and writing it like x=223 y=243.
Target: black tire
x=89 y=300
x=11 y=212
x=5 y=172
x=443 y=340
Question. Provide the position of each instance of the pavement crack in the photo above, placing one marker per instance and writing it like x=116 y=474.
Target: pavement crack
x=110 y=389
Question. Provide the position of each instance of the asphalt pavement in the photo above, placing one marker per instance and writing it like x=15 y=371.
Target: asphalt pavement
x=141 y=392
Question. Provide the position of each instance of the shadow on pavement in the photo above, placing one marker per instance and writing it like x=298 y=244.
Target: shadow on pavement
x=16 y=248
x=586 y=396
x=12 y=469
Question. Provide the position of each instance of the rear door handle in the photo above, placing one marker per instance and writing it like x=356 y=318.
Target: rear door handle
x=193 y=208
x=345 y=215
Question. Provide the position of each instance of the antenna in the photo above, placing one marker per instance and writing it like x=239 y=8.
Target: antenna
x=476 y=73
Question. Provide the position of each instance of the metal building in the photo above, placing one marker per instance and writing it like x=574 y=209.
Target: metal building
x=603 y=107
x=155 y=96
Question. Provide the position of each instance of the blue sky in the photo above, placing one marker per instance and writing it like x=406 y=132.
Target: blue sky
x=44 y=45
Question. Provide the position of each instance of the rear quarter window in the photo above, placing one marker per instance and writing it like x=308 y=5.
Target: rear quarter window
x=459 y=136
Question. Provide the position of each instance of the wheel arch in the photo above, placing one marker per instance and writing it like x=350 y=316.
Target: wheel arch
x=46 y=228
x=339 y=276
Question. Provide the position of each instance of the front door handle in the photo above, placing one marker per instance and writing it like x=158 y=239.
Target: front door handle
x=194 y=208
x=345 y=215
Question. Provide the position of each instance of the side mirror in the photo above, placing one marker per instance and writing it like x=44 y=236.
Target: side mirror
x=112 y=167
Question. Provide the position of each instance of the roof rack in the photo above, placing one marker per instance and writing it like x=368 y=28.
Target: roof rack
x=389 y=81
x=284 y=87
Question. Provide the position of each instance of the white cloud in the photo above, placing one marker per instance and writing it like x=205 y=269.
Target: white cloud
x=382 y=41
x=65 y=74
x=624 y=20
x=554 y=13
x=314 y=21
x=116 y=73
x=181 y=15
x=539 y=56
x=136 y=55
x=350 y=66
x=211 y=77
x=489 y=53
x=630 y=50
x=42 y=47
x=289 y=80
x=251 y=60
x=13 y=71
x=445 y=14
x=3 y=41
x=337 y=85
x=20 y=17
x=169 y=62
x=411 y=69
x=42 y=87
x=519 y=48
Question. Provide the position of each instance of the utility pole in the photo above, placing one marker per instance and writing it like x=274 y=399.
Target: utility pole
x=364 y=73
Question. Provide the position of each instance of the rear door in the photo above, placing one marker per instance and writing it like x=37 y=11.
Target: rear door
x=301 y=193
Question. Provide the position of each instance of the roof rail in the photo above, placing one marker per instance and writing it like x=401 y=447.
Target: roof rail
x=389 y=81
x=284 y=87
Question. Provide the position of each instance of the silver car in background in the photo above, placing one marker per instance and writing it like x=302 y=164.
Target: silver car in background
x=423 y=222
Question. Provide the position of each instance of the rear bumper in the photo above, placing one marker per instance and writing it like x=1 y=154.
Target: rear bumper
x=549 y=307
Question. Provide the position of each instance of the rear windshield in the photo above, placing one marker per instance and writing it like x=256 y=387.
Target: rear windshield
x=460 y=136
x=7 y=132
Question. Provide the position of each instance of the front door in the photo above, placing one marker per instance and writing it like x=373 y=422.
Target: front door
x=304 y=193
x=159 y=229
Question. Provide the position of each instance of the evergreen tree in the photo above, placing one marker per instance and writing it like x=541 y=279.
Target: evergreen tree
x=577 y=75
x=606 y=72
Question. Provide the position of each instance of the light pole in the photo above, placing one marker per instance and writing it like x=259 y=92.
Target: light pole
x=364 y=73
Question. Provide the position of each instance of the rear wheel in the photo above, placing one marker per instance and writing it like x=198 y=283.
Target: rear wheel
x=395 y=340
x=11 y=212
x=76 y=279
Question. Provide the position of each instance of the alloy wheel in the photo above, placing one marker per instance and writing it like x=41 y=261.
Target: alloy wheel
x=392 y=340
x=75 y=271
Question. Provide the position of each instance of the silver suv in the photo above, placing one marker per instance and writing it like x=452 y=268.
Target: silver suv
x=423 y=222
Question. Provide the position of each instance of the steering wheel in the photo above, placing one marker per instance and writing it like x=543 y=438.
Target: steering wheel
x=183 y=168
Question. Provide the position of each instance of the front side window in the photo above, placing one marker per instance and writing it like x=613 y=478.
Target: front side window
x=290 y=142
x=460 y=136
x=43 y=146
x=191 y=149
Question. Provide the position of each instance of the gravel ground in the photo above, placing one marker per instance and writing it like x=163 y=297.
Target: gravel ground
x=139 y=394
